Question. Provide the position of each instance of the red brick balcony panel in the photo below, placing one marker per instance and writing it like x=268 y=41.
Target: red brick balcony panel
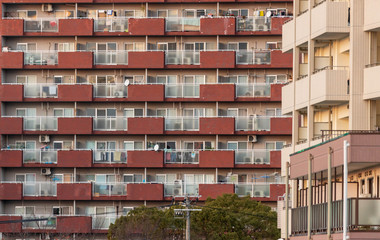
x=146 y=26
x=149 y=192
x=11 y=227
x=281 y=126
x=217 y=92
x=78 y=60
x=218 y=26
x=146 y=59
x=281 y=60
x=276 y=24
x=77 y=224
x=276 y=92
x=216 y=125
x=145 y=159
x=11 y=93
x=276 y=190
x=74 y=125
x=215 y=190
x=275 y=159
x=10 y=125
x=75 y=93
x=216 y=159
x=12 y=60
x=76 y=27
x=12 y=27
x=147 y=125
x=74 y=191
x=10 y=191
x=217 y=59
x=74 y=158
x=146 y=93
x=10 y=158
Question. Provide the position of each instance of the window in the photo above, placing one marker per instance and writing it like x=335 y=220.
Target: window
x=277 y=145
x=198 y=112
x=281 y=78
x=24 y=210
x=237 y=112
x=64 y=14
x=236 y=46
x=26 y=112
x=111 y=46
x=126 y=210
x=135 y=79
x=101 y=79
x=62 y=210
x=199 y=178
x=63 y=79
x=105 y=145
x=105 y=178
x=133 y=145
x=362 y=186
x=101 y=113
x=165 y=112
x=133 y=13
x=27 y=14
x=194 y=79
x=166 y=13
x=238 y=12
x=167 y=46
x=133 y=178
x=197 y=145
x=58 y=145
x=25 y=145
x=166 y=178
x=26 y=79
x=26 y=46
x=163 y=145
x=273 y=112
x=237 y=79
x=135 y=46
x=237 y=145
x=63 y=112
x=271 y=45
x=166 y=79
x=62 y=178
x=64 y=47
x=26 y=178
x=196 y=46
x=133 y=112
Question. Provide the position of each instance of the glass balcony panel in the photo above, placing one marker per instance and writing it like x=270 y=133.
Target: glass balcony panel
x=182 y=157
x=41 y=58
x=41 y=25
x=111 y=57
x=40 y=123
x=110 y=124
x=101 y=156
x=111 y=24
x=253 y=24
x=109 y=189
x=110 y=91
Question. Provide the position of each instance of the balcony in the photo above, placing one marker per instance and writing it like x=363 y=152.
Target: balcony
x=76 y=27
x=39 y=157
x=117 y=25
x=216 y=159
x=40 y=58
x=110 y=124
x=11 y=93
x=75 y=93
x=12 y=60
x=11 y=158
x=147 y=26
x=10 y=191
x=302 y=28
x=182 y=24
x=372 y=17
x=11 y=125
x=259 y=190
x=74 y=125
x=255 y=90
x=146 y=93
x=288 y=36
x=111 y=58
x=217 y=125
x=39 y=189
x=109 y=157
x=218 y=26
x=143 y=159
x=146 y=125
x=77 y=60
x=217 y=59
x=46 y=25
x=287 y=98
x=217 y=92
x=11 y=227
x=257 y=57
x=253 y=157
x=182 y=90
x=74 y=158
x=109 y=191
x=110 y=90
x=330 y=20
x=301 y=96
x=144 y=191
x=74 y=191
x=214 y=190
x=253 y=123
x=181 y=124
x=329 y=86
x=74 y=224
x=182 y=58
x=181 y=157
x=371 y=87
x=12 y=27
x=152 y=59
x=281 y=126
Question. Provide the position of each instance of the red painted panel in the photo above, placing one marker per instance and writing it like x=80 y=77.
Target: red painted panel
x=11 y=93
x=146 y=93
x=48 y=1
x=76 y=27
x=146 y=26
x=281 y=126
x=10 y=191
x=218 y=26
x=149 y=192
x=75 y=125
x=77 y=224
x=281 y=60
x=276 y=92
x=276 y=24
x=217 y=92
x=276 y=190
x=75 y=93
x=216 y=125
x=142 y=159
x=215 y=190
x=275 y=159
x=217 y=59
x=11 y=227
x=75 y=158
x=75 y=60
x=74 y=191
x=11 y=125
x=147 y=125
x=12 y=27
x=10 y=158
x=11 y=59
x=146 y=59
x=216 y=159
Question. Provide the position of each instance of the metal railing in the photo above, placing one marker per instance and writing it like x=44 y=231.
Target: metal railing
x=110 y=90
x=252 y=190
x=51 y=223
x=110 y=123
x=41 y=90
x=114 y=24
x=40 y=57
x=253 y=57
x=181 y=156
x=175 y=57
x=181 y=124
x=182 y=90
x=40 y=123
x=102 y=222
x=39 y=156
x=110 y=156
x=182 y=24
x=252 y=123
x=111 y=57
x=41 y=25
x=253 y=90
x=257 y=156
x=253 y=24
x=109 y=189
x=40 y=189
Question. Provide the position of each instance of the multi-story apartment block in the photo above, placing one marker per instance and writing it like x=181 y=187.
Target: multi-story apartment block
x=107 y=105
x=333 y=98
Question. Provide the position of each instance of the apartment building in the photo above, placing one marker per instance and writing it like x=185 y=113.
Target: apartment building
x=107 y=105
x=333 y=98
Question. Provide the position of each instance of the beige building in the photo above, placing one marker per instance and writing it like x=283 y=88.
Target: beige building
x=334 y=93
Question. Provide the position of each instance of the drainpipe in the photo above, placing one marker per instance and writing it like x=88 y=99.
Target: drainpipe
x=309 y=197
x=287 y=202
x=329 y=185
x=345 y=176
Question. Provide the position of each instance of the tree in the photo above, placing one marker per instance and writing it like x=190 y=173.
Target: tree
x=226 y=218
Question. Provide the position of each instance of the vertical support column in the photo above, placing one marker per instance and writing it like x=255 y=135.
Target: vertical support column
x=329 y=185
x=309 y=197
x=287 y=202
x=345 y=179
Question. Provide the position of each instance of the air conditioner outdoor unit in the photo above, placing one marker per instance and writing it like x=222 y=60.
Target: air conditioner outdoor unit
x=259 y=93
x=45 y=171
x=46 y=159
x=258 y=194
x=259 y=160
x=177 y=192
x=47 y=7
x=118 y=93
x=44 y=138
x=252 y=138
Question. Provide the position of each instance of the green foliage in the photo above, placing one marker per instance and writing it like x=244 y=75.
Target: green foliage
x=226 y=218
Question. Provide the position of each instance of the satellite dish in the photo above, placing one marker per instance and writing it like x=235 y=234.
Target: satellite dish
x=126 y=83
x=156 y=147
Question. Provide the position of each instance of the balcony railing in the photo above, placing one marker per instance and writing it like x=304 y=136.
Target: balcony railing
x=257 y=156
x=51 y=223
x=252 y=190
x=110 y=156
x=252 y=123
x=110 y=91
x=110 y=123
x=181 y=189
x=253 y=24
x=41 y=25
x=111 y=57
x=182 y=24
x=41 y=90
x=181 y=157
x=181 y=124
x=253 y=90
x=40 y=57
x=115 y=24
x=109 y=189
x=39 y=156
x=182 y=57
x=253 y=57
x=102 y=222
x=40 y=123
x=182 y=91
x=40 y=189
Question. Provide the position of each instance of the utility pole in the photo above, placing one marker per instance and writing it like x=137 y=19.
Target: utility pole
x=178 y=213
